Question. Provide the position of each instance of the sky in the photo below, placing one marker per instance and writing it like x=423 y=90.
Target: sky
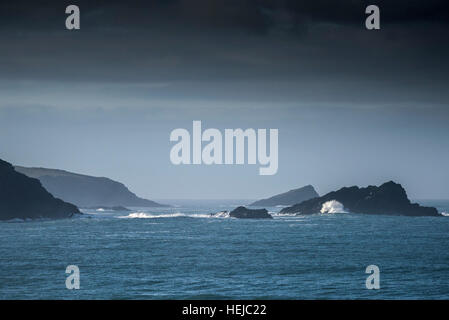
x=352 y=106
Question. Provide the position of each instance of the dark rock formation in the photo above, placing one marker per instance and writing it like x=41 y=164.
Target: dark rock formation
x=86 y=191
x=390 y=198
x=244 y=213
x=22 y=197
x=288 y=198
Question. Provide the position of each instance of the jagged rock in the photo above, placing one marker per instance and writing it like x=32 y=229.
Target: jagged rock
x=390 y=198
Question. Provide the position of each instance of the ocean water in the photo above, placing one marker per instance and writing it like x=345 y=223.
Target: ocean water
x=183 y=253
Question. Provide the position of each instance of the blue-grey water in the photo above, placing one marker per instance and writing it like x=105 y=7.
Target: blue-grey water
x=183 y=253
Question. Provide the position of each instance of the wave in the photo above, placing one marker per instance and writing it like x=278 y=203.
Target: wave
x=218 y=215
x=332 y=206
x=445 y=214
x=143 y=215
x=278 y=214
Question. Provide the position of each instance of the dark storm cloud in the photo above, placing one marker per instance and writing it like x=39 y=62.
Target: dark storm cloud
x=289 y=50
x=257 y=15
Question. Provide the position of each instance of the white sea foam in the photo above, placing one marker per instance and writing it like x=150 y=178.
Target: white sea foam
x=332 y=206
x=445 y=214
x=221 y=214
x=100 y=209
x=278 y=214
x=143 y=215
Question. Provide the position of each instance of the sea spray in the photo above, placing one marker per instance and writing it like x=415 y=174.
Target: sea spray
x=332 y=206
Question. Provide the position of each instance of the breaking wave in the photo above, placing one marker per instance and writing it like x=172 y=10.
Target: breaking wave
x=445 y=214
x=332 y=206
x=143 y=215
x=278 y=214
x=221 y=214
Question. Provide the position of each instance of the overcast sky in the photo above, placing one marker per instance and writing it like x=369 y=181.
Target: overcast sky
x=353 y=106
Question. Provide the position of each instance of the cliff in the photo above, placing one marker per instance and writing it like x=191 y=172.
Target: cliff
x=22 y=197
x=86 y=191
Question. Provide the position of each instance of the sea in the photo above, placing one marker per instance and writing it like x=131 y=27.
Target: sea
x=184 y=252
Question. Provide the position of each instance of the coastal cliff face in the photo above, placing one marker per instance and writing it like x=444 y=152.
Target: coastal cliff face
x=86 y=191
x=288 y=198
x=390 y=198
x=22 y=197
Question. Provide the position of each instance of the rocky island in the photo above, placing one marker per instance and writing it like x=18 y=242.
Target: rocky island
x=288 y=198
x=388 y=199
x=244 y=213
x=22 y=197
